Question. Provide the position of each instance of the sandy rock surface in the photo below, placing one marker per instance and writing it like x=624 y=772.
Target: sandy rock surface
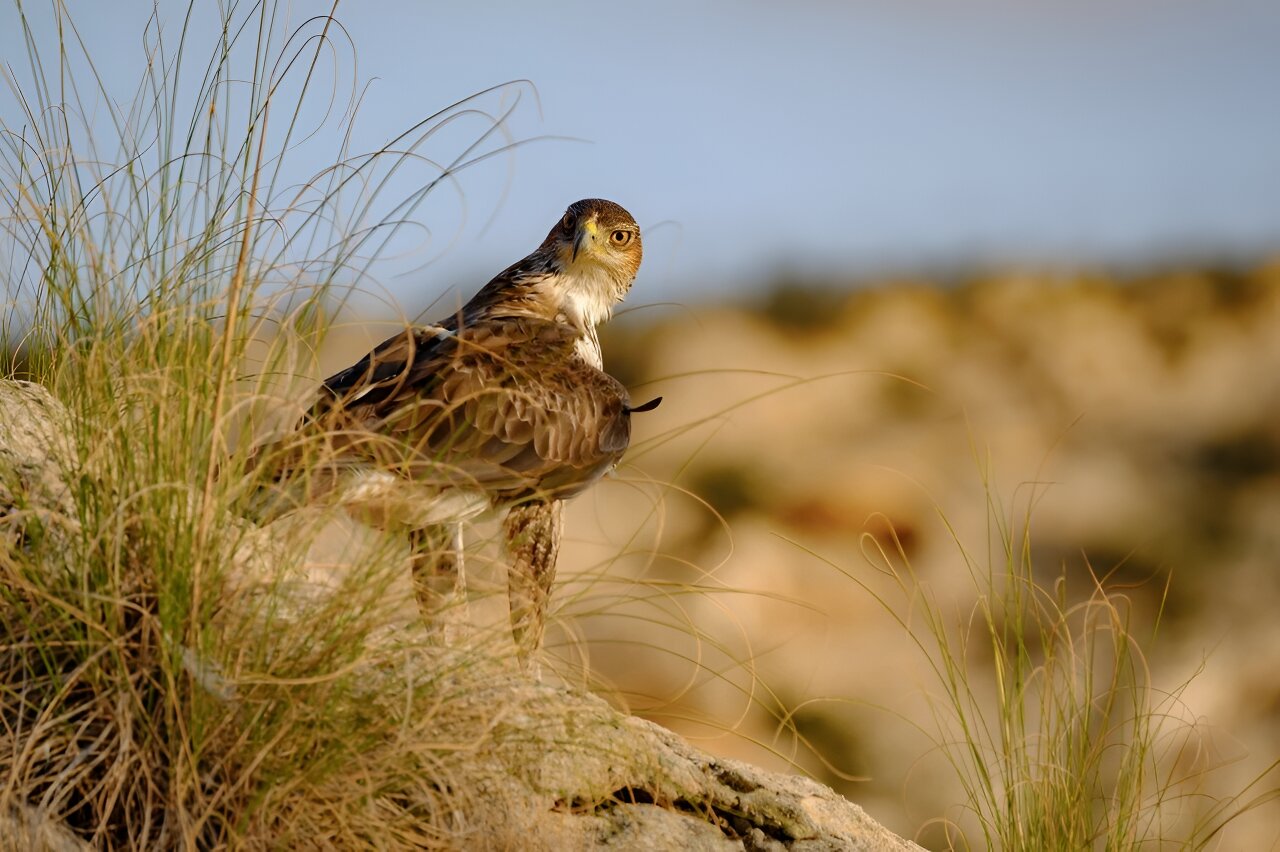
x=35 y=458
x=588 y=776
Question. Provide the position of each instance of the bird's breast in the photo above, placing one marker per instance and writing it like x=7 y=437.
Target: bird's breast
x=588 y=349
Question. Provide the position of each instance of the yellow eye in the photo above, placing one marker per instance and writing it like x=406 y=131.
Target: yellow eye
x=620 y=237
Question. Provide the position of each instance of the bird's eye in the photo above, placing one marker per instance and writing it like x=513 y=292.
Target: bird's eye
x=620 y=238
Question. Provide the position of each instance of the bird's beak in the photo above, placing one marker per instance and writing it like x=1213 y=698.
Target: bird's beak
x=586 y=231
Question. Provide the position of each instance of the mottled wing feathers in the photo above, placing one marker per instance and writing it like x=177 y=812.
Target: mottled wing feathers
x=380 y=374
x=508 y=403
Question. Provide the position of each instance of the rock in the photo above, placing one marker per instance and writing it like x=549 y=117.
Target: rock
x=549 y=767
x=35 y=460
x=588 y=776
x=546 y=767
x=25 y=829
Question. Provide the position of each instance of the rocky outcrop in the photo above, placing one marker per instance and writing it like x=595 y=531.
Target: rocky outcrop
x=547 y=767
x=585 y=776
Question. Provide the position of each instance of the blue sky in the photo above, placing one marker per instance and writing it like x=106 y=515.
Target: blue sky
x=840 y=138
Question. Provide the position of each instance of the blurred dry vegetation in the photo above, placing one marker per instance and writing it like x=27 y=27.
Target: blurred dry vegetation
x=1135 y=422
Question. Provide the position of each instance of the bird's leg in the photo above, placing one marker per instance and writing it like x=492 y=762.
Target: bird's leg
x=439 y=579
x=533 y=541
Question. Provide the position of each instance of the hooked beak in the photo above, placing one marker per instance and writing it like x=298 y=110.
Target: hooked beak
x=586 y=231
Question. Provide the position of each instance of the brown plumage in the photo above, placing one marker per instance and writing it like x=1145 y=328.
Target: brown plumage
x=503 y=404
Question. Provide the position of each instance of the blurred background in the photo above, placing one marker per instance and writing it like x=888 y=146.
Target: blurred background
x=901 y=258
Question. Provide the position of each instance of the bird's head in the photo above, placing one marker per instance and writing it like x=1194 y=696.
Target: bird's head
x=583 y=268
x=597 y=233
x=596 y=247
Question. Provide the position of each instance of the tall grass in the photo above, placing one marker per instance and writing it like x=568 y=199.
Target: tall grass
x=166 y=274
x=1045 y=708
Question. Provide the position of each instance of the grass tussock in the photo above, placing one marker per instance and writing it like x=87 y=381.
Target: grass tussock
x=1045 y=709
x=159 y=687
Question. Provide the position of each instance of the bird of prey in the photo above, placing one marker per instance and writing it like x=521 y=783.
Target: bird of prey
x=503 y=405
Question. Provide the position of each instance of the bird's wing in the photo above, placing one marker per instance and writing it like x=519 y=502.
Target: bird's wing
x=506 y=403
x=376 y=375
x=381 y=374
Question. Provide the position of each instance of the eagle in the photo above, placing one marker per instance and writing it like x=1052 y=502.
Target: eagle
x=504 y=405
